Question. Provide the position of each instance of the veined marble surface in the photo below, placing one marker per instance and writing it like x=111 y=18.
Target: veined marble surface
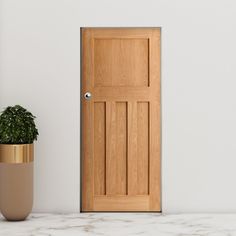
x=122 y=224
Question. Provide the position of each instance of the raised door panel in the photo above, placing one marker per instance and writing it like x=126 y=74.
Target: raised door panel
x=128 y=68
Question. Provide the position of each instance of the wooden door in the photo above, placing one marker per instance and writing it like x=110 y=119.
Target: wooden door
x=121 y=120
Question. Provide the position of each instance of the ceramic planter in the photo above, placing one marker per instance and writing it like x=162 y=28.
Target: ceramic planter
x=16 y=180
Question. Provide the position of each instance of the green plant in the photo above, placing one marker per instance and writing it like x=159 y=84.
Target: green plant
x=17 y=126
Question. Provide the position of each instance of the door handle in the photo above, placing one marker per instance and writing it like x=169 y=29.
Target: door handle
x=88 y=96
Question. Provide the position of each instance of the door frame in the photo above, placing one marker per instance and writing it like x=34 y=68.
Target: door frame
x=81 y=99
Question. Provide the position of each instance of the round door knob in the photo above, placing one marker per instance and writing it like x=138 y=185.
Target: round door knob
x=87 y=95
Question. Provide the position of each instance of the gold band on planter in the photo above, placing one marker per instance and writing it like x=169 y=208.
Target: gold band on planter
x=16 y=153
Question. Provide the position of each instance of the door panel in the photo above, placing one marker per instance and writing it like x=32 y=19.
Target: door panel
x=99 y=148
x=124 y=69
x=121 y=121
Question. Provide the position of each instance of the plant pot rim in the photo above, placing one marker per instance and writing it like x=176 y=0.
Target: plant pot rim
x=16 y=153
x=17 y=144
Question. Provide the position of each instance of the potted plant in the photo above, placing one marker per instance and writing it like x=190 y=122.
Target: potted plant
x=17 y=134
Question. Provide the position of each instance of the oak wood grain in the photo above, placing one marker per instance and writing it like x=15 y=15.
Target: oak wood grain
x=121 y=123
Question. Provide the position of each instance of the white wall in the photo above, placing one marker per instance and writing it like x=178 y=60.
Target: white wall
x=40 y=69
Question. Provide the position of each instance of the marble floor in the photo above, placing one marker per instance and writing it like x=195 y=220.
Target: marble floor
x=121 y=224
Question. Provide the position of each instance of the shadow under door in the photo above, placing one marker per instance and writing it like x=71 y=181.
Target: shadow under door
x=121 y=119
